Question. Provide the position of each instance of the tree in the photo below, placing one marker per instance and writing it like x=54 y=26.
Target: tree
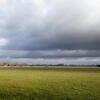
x=98 y=65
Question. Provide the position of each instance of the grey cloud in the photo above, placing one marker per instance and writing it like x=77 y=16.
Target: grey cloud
x=49 y=54
x=50 y=28
x=65 y=26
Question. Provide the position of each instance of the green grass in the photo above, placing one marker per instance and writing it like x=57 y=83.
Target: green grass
x=50 y=84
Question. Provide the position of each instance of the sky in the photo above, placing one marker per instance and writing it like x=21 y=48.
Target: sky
x=50 y=31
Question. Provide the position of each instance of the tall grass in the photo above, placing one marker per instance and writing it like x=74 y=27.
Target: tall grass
x=50 y=84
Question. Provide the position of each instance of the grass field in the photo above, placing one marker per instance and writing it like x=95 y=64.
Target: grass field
x=50 y=84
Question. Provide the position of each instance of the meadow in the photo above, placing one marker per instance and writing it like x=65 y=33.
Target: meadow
x=50 y=83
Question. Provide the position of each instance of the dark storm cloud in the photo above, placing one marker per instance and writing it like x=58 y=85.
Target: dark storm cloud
x=51 y=25
x=50 y=29
x=50 y=54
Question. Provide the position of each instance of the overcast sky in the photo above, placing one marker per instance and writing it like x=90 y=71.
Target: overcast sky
x=50 y=31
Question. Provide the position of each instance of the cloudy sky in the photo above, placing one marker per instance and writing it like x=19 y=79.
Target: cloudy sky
x=50 y=31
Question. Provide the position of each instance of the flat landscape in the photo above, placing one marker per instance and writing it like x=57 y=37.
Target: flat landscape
x=50 y=83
